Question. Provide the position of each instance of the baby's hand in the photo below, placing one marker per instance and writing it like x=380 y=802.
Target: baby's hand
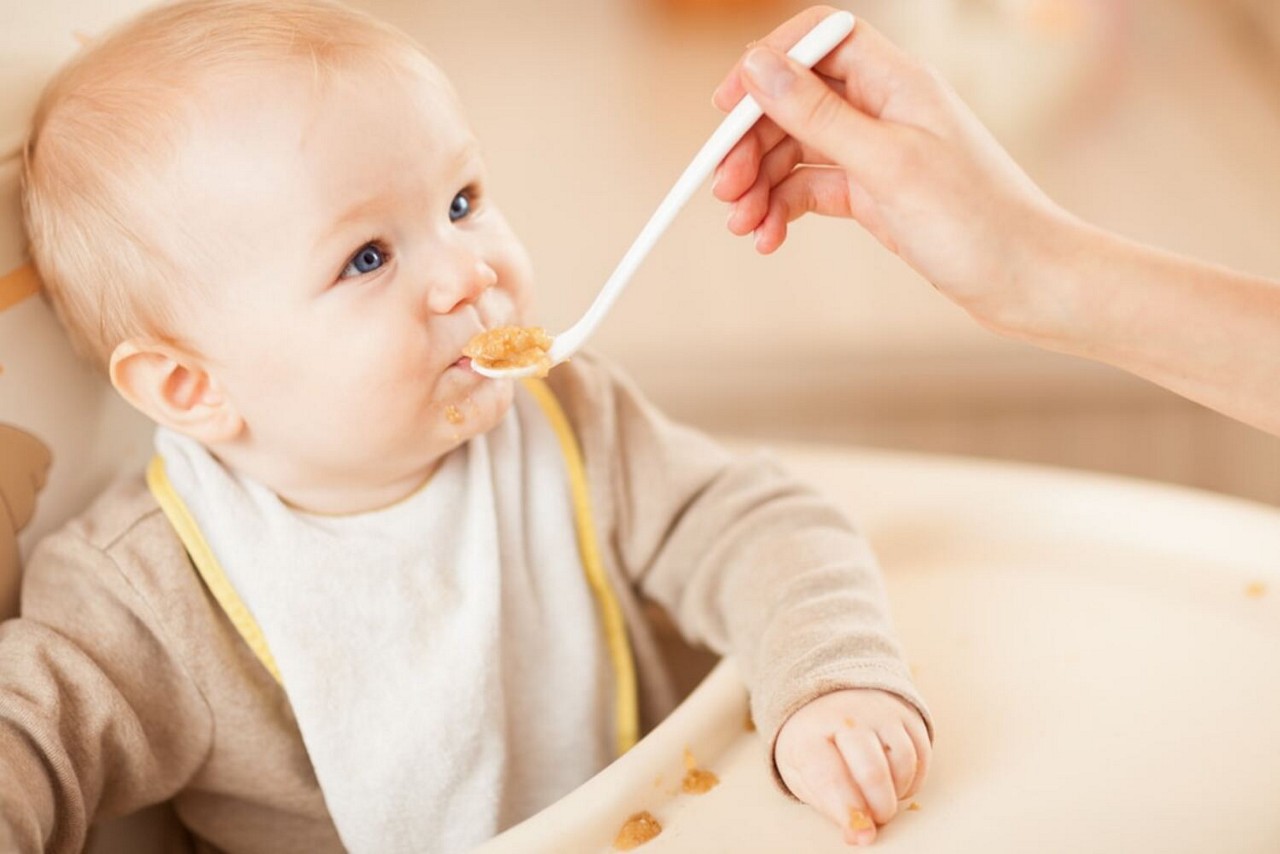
x=852 y=755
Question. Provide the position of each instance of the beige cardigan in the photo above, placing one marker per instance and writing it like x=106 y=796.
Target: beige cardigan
x=124 y=684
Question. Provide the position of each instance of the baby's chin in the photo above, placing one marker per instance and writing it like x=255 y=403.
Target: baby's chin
x=477 y=409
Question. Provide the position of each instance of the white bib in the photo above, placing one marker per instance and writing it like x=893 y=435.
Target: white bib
x=444 y=656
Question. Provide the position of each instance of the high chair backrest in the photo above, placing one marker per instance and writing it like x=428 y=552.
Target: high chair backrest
x=63 y=432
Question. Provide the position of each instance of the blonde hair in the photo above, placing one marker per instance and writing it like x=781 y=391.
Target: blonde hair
x=113 y=118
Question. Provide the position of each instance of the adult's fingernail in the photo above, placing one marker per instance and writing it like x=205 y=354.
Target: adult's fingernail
x=769 y=71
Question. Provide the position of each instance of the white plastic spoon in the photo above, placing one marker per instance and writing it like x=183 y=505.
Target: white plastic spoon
x=816 y=44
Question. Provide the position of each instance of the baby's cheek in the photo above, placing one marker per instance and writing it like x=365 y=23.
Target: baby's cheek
x=515 y=288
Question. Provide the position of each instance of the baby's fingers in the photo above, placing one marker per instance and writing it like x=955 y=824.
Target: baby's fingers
x=823 y=781
x=915 y=728
x=900 y=750
x=869 y=767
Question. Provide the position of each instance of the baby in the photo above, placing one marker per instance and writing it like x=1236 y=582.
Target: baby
x=364 y=598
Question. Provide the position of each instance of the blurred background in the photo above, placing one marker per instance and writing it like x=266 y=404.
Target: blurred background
x=1157 y=118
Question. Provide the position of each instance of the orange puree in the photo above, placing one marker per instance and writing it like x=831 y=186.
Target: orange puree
x=636 y=831
x=511 y=347
x=697 y=781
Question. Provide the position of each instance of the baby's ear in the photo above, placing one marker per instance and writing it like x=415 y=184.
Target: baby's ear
x=174 y=389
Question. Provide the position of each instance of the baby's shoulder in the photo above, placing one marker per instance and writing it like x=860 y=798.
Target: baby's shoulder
x=121 y=547
x=123 y=528
x=124 y=511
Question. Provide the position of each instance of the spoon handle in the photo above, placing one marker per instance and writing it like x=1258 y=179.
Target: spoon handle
x=816 y=44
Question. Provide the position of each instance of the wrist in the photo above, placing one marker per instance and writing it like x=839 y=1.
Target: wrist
x=1042 y=299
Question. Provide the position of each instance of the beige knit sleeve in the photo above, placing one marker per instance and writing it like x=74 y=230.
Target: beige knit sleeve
x=746 y=559
x=96 y=717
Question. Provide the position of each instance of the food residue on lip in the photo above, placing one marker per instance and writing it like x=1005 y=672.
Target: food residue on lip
x=697 y=781
x=636 y=831
x=913 y=807
x=858 y=820
x=511 y=347
x=1255 y=590
x=453 y=414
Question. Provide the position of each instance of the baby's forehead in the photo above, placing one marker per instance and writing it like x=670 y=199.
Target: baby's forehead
x=252 y=102
x=234 y=84
x=281 y=139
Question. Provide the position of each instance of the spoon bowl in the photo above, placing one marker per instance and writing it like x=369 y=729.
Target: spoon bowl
x=562 y=347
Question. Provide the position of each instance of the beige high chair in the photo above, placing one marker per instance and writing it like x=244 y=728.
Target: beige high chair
x=1101 y=655
x=63 y=432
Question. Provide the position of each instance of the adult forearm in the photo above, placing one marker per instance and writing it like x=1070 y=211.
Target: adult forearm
x=1206 y=332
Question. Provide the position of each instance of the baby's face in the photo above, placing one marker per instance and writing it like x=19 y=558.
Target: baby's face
x=353 y=252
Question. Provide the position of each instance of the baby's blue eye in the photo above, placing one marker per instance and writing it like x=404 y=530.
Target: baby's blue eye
x=460 y=206
x=369 y=258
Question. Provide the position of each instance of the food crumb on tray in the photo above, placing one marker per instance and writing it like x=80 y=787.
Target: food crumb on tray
x=697 y=781
x=636 y=831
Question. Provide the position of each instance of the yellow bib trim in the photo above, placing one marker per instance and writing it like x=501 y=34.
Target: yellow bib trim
x=615 y=630
x=207 y=565
x=627 y=705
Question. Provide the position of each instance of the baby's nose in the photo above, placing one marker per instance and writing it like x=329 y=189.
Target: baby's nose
x=460 y=282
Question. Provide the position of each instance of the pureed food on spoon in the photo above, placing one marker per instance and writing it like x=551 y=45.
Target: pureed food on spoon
x=511 y=347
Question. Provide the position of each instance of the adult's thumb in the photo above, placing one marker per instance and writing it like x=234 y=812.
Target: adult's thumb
x=803 y=105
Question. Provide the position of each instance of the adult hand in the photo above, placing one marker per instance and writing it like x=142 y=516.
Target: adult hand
x=872 y=134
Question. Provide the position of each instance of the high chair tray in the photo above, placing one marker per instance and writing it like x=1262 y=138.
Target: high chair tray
x=1101 y=656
